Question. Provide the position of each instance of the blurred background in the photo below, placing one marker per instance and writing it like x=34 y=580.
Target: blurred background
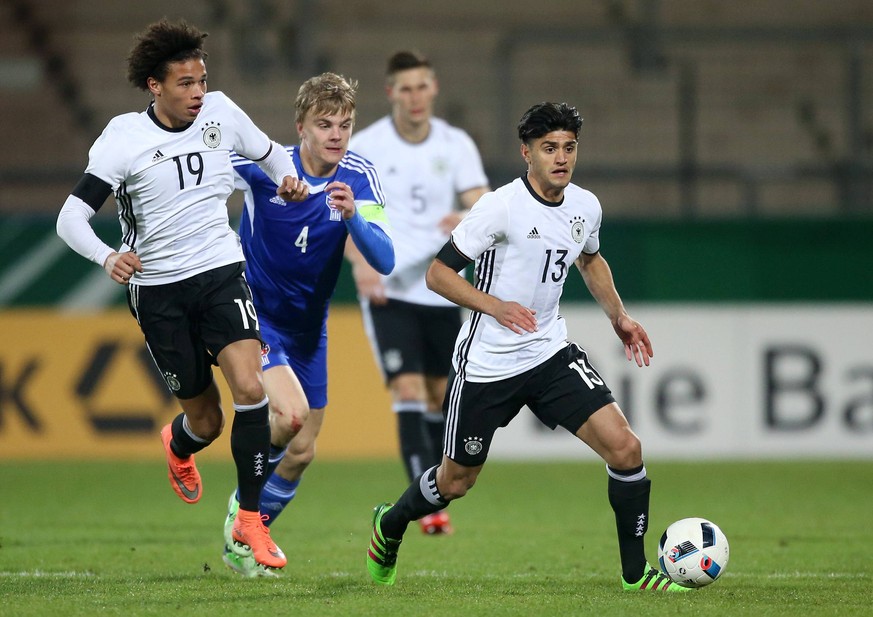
x=730 y=143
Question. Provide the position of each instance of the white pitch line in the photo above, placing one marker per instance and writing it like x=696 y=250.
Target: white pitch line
x=43 y=574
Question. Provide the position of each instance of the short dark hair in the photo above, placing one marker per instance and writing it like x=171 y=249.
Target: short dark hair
x=160 y=44
x=544 y=118
x=405 y=60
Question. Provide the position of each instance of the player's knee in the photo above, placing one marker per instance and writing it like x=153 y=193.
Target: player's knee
x=248 y=390
x=408 y=388
x=208 y=427
x=286 y=420
x=626 y=453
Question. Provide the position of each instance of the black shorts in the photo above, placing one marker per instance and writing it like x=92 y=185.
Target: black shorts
x=186 y=324
x=413 y=338
x=562 y=391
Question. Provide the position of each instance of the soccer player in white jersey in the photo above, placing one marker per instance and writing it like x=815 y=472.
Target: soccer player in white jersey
x=513 y=350
x=428 y=168
x=169 y=168
x=293 y=257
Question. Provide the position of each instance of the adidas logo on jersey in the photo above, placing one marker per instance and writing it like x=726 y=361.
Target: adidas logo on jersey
x=158 y=156
x=533 y=234
x=278 y=201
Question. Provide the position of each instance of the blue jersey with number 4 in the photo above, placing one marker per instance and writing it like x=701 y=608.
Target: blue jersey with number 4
x=294 y=250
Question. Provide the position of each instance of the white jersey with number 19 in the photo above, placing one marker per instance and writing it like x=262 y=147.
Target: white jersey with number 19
x=524 y=248
x=172 y=186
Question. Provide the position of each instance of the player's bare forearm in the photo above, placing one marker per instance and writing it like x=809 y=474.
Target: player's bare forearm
x=446 y=282
x=469 y=197
x=598 y=279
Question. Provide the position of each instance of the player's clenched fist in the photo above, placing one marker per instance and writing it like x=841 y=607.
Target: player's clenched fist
x=292 y=189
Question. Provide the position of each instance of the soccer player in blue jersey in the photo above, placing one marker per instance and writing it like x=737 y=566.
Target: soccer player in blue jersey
x=293 y=256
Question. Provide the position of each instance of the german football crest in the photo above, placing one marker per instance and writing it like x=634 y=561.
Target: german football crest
x=211 y=135
x=473 y=445
x=172 y=381
x=577 y=229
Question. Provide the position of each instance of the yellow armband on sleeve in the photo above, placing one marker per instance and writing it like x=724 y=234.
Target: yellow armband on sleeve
x=375 y=213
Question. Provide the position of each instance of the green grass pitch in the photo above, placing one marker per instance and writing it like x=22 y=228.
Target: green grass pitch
x=111 y=538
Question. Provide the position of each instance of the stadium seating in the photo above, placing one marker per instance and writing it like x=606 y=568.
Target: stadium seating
x=756 y=104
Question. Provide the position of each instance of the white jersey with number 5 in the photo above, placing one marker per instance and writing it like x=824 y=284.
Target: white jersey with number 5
x=421 y=182
x=524 y=248
x=172 y=186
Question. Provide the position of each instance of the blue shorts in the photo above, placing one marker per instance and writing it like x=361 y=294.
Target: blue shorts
x=304 y=352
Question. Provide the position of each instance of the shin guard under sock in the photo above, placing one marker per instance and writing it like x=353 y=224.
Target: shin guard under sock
x=250 y=445
x=629 y=497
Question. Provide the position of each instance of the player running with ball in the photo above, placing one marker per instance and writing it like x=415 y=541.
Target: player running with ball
x=513 y=350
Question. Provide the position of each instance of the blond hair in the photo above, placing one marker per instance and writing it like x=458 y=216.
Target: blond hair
x=326 y=94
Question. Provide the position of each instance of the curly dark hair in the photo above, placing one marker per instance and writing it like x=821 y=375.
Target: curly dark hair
x=160 y=44
x=544 y=118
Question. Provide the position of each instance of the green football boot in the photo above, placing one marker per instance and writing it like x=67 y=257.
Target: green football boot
x=382 y=552
x=653 y=580
x=232 y=509
x=246 y=566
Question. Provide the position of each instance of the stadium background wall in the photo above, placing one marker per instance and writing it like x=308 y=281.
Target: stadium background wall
x=707 y=261
x=80 y=384
x=84 y=386
x=727 y=381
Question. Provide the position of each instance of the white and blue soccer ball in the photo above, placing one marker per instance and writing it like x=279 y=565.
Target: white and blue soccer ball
x=693 y=552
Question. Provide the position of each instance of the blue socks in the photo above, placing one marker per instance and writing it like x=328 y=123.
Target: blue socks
x=276 y=494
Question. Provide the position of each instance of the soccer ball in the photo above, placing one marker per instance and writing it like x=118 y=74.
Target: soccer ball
x=693 y=552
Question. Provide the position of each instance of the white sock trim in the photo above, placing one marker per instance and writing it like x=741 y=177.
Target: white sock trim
x=238 y=407
x=634 y=478
x=187 y=428
x=409 y=407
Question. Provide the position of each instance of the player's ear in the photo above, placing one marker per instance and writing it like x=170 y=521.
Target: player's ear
x=525 y=153
x=154 y=86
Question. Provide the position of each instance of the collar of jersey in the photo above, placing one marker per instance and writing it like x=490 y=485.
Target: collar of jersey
x=535 y=195
x=151 y=114
x=315 y=184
